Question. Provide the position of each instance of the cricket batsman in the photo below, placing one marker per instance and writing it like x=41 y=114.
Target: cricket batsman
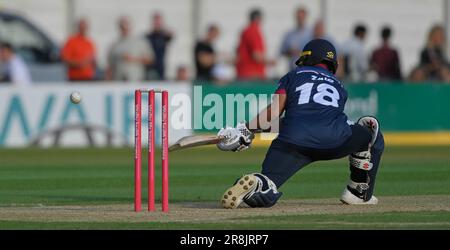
x=314 y=128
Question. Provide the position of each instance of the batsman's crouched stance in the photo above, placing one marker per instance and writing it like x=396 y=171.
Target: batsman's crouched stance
x=314 y=128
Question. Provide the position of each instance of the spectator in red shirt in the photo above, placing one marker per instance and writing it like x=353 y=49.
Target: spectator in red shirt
x=385 y=60
x=78 y=54
x=251 y=59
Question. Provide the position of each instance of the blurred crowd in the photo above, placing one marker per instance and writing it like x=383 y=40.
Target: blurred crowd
x=142 y=57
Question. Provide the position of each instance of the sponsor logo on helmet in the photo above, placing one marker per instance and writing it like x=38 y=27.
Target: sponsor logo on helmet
x=330 y=55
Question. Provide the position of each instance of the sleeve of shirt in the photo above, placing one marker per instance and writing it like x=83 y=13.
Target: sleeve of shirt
x=93 y=49
x=398 y=71
x=282 y=85
x=256 y=41
x=196 y=49
x=285 y=44
x=424 y=57
x=167 y=37
x=110 y=56
x=146 y=49
x=20 y=74
x=363 y=60
x=65 y=52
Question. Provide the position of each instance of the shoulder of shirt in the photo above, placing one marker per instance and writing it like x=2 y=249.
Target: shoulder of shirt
x=72 y=39
x=253 y=28
x=18 y=61
x=77 y=37
x=200 y=43
x=349 y=42
x=308 y=70
x=290 y=33
x=89 y=41
x=134 y=40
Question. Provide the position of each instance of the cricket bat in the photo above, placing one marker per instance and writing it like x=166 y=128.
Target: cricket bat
x=197 y=140
x=194 y=141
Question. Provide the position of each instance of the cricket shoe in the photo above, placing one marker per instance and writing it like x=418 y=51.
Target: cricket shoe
x=350 y=199
x=234 y=196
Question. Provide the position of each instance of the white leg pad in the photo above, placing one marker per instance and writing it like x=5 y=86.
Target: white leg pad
x=372 y=124
x=361 y=160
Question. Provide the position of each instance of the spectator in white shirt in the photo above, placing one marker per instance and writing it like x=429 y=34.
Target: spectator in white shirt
x=356 y=59
x=294 y=40
x=319 y=32
x=129 y=56
x=14 y=68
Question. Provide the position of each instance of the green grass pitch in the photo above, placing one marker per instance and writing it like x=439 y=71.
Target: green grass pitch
x=93 y=189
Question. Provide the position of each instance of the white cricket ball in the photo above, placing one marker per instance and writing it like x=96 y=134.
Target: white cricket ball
x=75 y=97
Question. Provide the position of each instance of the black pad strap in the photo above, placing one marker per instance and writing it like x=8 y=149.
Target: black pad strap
x=260 y=199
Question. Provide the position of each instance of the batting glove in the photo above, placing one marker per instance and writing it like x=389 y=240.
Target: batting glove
x=235 y=139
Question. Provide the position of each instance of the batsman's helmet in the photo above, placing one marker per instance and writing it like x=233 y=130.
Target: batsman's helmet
x=319 y=51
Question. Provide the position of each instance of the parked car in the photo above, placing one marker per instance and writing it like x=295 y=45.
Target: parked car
x=39 y=51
